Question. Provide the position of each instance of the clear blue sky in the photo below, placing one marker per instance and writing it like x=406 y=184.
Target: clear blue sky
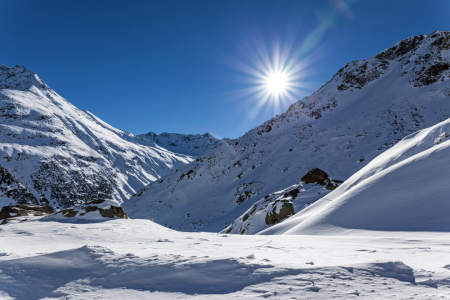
x=183 y=66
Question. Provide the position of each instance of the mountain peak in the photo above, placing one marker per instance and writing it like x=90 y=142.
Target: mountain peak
x=189 y=144
x=423 y=59
x=20 y=78
x=366 y=108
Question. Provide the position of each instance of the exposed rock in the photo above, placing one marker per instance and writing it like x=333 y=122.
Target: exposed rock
x=287 y=209
x=12 y=188
x=321 y=177
x=430 y=74
x=315 y=176
x=107 y=211
x=21 y=210
x=331 y=186
x=292 y=193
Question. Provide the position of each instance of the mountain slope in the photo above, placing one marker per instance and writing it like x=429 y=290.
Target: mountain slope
x=62 y=155
x=188 y=144
x=365 y=109
x=403 y=189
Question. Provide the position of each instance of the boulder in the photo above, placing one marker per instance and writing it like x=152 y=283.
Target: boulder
x=315 y=176
x=287 y=209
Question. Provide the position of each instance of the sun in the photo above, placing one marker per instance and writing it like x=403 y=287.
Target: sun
x=276 y=83
x=275 y=78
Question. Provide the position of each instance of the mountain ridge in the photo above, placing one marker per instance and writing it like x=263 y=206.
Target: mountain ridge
x=189 y=144
x=366 y=108
x=65 y=156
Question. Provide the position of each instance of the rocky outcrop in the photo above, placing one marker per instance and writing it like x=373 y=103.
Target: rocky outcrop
x=21 y=210
x=315 y=176
x=106 y=210
x=321 y=177
x=13 y=190
x=286 y=210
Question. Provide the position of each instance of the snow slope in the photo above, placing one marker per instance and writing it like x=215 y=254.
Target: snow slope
x=278 y=206
x=189 y=144
x=55 y=154
x=138 y=259
x=403 y=189
x=365 y=109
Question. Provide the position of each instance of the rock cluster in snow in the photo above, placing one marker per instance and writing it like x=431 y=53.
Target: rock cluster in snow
x=278 y=206
x=403 y=189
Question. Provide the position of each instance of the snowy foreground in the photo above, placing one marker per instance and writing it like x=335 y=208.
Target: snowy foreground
x=138 y=259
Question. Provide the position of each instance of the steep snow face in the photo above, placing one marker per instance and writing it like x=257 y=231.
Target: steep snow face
x=403 y=189
x=365 y=109
x=61 y=156
x=188 y=144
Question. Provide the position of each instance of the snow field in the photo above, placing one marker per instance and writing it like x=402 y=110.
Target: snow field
x=138 y=259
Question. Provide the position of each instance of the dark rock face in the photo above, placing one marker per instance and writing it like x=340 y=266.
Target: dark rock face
x=360 y=75
x=20 y=210
x=292 y=193
x=315 y=176
x=427 y=68
x=10 y=187
x=321 y=177
x=273 y=217
x=400 y=49
x=19 y=77
x=68 y=188
x=432 y=73
x=331 y=186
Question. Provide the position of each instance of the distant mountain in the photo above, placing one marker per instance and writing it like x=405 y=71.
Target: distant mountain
x=365 y=109
x=188 y=144
x=52 y=153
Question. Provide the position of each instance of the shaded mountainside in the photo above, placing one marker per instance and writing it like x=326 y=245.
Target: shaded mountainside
x=189 y=144
x=52 y=153
x=403 y=189
x=365 y=109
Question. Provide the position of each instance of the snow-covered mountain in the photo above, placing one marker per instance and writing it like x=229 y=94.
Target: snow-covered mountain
x=365 y=109
x=189 y=144
x=403 y=189
x=52 y=153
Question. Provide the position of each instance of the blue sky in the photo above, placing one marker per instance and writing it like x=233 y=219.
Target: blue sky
x=190 y=66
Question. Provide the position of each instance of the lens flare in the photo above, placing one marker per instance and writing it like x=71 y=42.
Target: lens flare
x=277 y=72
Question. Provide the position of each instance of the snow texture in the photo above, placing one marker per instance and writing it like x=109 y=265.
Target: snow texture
x=364 y=110
x=138 y=259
